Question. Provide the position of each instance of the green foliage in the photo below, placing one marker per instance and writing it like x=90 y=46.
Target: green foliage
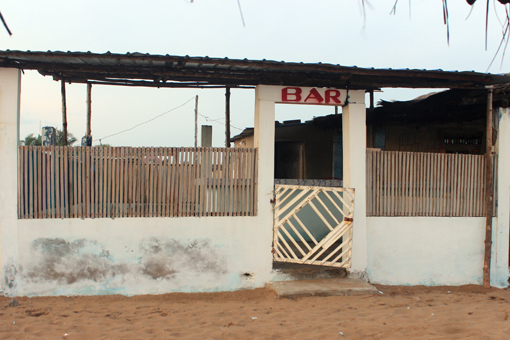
x=31 y=140
x=59 y=135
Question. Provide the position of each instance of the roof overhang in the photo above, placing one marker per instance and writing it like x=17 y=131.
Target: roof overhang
x=137 y=69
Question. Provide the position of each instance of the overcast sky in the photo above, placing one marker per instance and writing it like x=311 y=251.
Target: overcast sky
x=328 y=31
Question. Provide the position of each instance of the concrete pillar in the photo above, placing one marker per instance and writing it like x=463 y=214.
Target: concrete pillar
x=354 y=158
x=500 y=229
x=10 y=81
x=264 y=142
x=206 y=136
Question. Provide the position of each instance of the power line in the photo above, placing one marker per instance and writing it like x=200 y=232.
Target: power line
x=150 y=120
x=217 y=121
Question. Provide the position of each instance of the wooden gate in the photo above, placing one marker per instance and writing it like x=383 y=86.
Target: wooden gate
x=313 y=225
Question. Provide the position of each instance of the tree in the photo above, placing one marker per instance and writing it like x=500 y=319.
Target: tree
x=60 y=135
x=31 y=140
x=505 y=26
x=36 y=141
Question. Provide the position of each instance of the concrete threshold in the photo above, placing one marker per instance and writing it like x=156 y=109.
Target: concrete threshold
x=322 y=287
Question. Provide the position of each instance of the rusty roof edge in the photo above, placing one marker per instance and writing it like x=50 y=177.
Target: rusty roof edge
x=482 y=78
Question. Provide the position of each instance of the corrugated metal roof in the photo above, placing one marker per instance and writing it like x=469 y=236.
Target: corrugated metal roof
x=143 y=69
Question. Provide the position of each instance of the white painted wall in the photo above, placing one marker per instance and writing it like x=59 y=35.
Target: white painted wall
x=159 y=255
x=501 y=225
x=354 y=141
x=10 y=85
x=131 y=255
x=139 y=255
x=429 y=251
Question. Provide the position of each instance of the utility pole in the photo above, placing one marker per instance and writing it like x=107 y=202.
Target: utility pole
x=89 y=109
x=64 y=113
x=196 y=121
x=489 y=199
x=227 y=117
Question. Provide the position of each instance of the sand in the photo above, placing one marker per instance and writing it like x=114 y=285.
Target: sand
x=466 y=312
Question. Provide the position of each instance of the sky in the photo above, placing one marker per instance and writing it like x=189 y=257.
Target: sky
x=328 y=31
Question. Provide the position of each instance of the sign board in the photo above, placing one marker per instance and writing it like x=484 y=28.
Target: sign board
x=309 y=95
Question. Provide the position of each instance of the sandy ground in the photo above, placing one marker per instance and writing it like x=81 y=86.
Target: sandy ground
x=467 y=312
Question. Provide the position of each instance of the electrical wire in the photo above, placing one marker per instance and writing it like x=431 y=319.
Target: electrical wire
x=150 y=120
x=208 y=119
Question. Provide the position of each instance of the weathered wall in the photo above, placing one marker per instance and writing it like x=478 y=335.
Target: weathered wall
x=10 y=81
x=130 y=255
x=139 y=256
x=431 y=251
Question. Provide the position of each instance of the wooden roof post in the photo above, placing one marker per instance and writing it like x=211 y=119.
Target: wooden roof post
x=196 y=121
x=489 y=189
x=227 y=117
x=89 y=108
x=64 y=113
x=370 y=128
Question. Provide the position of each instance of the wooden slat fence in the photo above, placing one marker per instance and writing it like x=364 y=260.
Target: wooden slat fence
x=426 y=184
x=114 y=182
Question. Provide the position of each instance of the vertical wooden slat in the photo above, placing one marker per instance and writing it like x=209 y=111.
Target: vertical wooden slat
x=49 y=193
x=39 y=182
x=145 y=203
x=249 y=175
x=428 y=186
x=150 y=182
x=116 y=171
x=26 y=181
x=173 y=197
x=67 y=201
x=202 y=187
x=368 y=186
x=229 y=168
x=75 y=163
x=394 y=192
x=179 y=168
x=216 y=182
x=254 y=182
x=377 y=193
x=155 y=186
x=20 y=181
x=244 y=185
x=159 y=186
x=31 y=181
x=109 y=180
x=186 y=179
x=411 y=183
x=106 y=179
x=163 y=182
x=223 y=176
x=191 y=189
x=124 y=173
x=83 y=171
x=129 y=182
x=212 y=183
x=190 y=183
x=91 y=156
x=61 y=213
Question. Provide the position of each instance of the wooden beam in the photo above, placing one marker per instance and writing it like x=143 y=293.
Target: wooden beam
x=196 y=121
x=89 y=108
x=489 y=188
x=64 y=114
x=227 y=117
x=370 y=128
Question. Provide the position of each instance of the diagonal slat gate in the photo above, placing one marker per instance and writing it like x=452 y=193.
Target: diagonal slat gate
x=313 y=225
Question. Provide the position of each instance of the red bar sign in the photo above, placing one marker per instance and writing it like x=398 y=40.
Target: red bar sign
x=312 y=95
